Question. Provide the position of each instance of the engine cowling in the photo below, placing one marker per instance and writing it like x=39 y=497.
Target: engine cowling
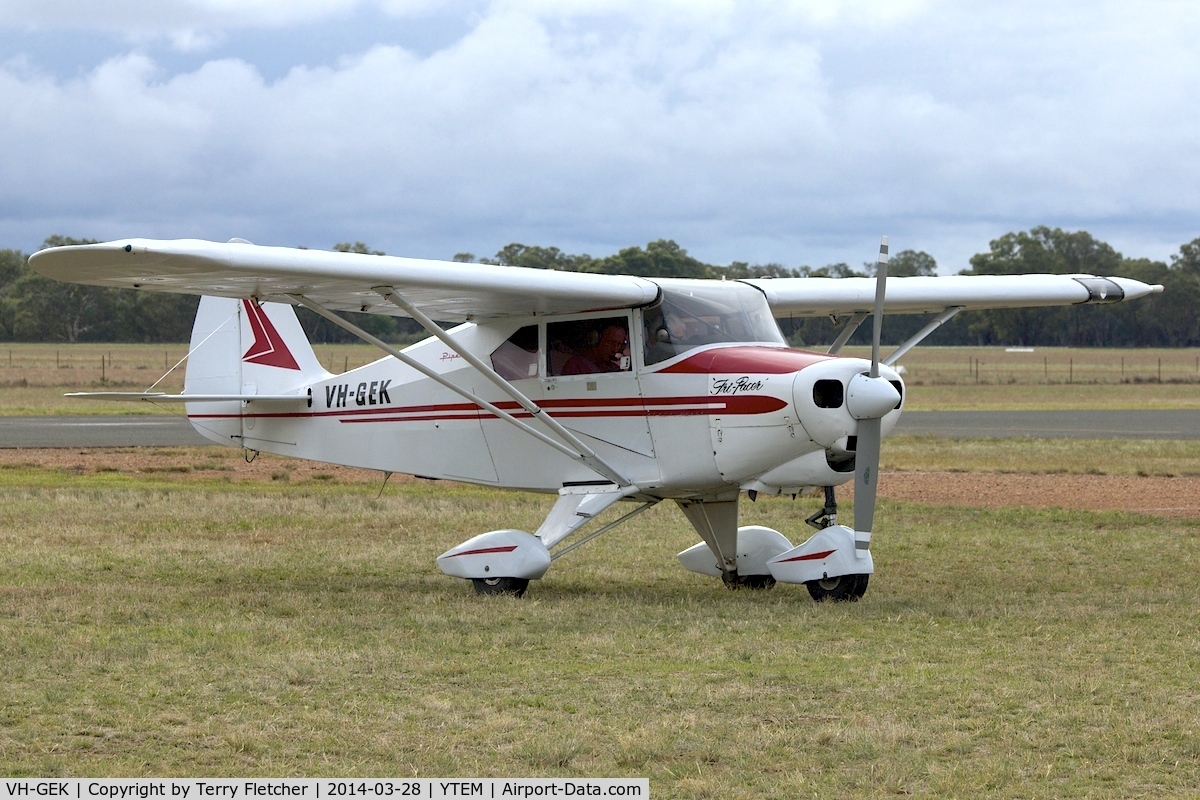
x=832 y=396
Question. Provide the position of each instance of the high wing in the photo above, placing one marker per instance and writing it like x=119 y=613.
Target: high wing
x=447 y=291
x=810 y=297
x=455 y=292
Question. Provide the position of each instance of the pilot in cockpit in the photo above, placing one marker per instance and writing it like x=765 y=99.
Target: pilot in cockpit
x=604 y=356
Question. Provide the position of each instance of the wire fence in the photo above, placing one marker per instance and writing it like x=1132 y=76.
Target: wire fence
x=140 y=366
x=130 y=365
x=1032 y=366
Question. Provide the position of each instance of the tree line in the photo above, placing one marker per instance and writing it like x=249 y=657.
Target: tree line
x=37 y=309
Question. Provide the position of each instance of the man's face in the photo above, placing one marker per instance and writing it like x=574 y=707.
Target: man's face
x=612 y=342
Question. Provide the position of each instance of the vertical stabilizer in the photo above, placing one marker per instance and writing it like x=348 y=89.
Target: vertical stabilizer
x=241 y=347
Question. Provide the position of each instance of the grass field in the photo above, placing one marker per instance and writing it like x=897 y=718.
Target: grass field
x=190 y=622
x=34 y=377
x=1151 y=457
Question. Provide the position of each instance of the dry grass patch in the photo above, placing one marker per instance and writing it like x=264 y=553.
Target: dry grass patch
x=34 y=377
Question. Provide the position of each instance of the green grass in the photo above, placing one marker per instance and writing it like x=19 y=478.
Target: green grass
x=1141 y=457
x=185 y=625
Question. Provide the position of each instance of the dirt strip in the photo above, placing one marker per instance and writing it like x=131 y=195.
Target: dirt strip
x=184 y=464
x=1154 y=495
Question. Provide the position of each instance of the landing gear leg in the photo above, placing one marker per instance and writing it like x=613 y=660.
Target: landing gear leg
x=827 y=516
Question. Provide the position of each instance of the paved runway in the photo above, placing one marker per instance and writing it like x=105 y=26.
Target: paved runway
x=1053 y=424
x=173 y=431
x=96 y=431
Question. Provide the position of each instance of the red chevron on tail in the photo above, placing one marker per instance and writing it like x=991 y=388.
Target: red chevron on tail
x=268 y=348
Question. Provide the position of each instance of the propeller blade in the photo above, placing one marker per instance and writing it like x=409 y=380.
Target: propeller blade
x=880 y=292
x=866 y=456
x=866 y=473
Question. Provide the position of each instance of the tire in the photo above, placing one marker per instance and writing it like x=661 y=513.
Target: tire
x=511 y=587
x=755 y=582
x=847 y=588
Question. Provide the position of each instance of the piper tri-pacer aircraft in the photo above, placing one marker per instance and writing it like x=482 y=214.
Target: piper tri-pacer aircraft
x=597 y=388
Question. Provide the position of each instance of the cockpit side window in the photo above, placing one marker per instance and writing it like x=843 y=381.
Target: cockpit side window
x=588 y=346
x=517 y=357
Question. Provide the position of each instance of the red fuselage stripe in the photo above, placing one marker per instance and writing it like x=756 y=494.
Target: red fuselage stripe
x=610 y=407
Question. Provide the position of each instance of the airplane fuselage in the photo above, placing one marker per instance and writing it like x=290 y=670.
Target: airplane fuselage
x=712 y=419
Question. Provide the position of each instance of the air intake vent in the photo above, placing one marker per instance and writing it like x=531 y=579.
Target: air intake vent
x=829 y=393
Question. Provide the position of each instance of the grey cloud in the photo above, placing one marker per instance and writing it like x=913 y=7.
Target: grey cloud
x=741 y=136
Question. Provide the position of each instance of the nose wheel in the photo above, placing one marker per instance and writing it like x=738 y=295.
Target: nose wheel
x=512 y=587
x=846 y=588
x=759 y=582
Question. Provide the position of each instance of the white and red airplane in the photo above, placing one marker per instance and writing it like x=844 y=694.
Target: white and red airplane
x=597 y=388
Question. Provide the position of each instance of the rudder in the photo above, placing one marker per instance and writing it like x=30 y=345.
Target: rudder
x=240 y=347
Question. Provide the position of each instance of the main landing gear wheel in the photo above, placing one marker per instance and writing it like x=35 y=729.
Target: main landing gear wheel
x=758 y=582
x=513 y=587
x=846 y=588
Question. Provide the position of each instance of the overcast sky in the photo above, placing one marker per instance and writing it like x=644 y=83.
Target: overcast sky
x=789 y=132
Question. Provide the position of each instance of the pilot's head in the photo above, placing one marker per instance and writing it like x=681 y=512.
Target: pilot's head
x=612 y=342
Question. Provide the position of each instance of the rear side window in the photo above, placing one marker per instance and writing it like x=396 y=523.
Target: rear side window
x=517 y=357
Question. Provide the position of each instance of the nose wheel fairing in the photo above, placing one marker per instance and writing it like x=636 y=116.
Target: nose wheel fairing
x=507 y=554
x=832 y=552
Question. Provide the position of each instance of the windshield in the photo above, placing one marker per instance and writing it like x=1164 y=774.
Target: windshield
x=694 y=313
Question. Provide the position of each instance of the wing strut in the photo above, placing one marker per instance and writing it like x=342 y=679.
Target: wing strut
x=578 y=451
x=585 y=454
x=920 y=335
x=847 y=332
